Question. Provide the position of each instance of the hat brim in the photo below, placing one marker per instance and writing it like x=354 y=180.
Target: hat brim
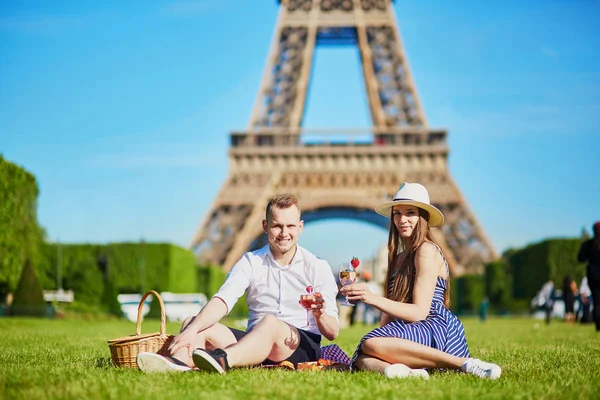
x=436 y=218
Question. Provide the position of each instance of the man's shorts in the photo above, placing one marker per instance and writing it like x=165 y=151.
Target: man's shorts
x=308 y=350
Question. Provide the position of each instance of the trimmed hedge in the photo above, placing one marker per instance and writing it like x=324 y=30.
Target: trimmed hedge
x=532 y=266
x=20 y=234
x=209 y=279
x=511 y=282
x=182 y=277
x=97 y=273
x=498 y=285
x=466 y=294
x=79 y=271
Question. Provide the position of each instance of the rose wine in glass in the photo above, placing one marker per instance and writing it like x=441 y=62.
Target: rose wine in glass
x=347 y=277
x=307 y=300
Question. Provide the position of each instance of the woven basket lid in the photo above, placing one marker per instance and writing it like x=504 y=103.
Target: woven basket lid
x=133 y=338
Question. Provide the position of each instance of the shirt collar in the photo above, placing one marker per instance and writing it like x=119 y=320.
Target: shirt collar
x=267 y=254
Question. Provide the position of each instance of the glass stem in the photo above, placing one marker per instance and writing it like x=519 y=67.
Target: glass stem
x=347 y=301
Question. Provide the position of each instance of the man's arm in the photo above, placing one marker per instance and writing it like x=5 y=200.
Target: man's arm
x=210 y=314
x=328 y=325
x=325 y=310
x=221 y=303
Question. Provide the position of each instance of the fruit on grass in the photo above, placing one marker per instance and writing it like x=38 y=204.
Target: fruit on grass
x=355 y=262
x=286 y=364
x=309 y=366
x=324 y=363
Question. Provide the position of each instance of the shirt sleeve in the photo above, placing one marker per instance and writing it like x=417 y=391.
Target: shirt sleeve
x=235 y=284
x=325 y=284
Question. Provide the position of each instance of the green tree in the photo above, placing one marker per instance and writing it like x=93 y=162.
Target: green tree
x=29 y=298
x=20 y=234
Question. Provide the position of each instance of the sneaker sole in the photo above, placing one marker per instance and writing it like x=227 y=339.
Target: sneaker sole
x=397 y=371
x=154 y=363
x=419 y=373
x=402 y=371
x=495 y=373
x=205 y=362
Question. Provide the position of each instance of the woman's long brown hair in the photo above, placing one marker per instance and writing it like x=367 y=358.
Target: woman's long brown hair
x=401 y=272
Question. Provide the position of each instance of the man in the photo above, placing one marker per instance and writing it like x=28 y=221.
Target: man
x=273 y=278
x=547 y=296
x=590 y=253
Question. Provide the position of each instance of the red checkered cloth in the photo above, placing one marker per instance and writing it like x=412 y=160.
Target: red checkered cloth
x=334 y=353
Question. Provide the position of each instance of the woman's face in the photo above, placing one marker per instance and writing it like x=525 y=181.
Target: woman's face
x=406 y=219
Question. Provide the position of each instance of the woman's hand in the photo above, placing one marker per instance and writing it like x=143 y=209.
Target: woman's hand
x=358 y=291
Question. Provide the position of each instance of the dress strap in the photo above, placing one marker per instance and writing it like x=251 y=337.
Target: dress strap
x=443 y=257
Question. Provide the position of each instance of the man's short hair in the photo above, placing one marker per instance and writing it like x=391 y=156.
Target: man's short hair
x=281 y=201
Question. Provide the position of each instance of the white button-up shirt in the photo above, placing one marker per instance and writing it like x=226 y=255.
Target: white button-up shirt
x=274 y=289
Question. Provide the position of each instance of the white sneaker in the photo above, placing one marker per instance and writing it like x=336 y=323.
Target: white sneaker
x=402 y=371
x=153 y=363
x=419 y=373
x=481 y=369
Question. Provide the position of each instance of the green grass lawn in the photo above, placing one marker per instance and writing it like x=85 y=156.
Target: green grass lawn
x=69 y=359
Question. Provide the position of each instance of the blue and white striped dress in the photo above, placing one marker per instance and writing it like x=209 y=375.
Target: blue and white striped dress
x=440 y=330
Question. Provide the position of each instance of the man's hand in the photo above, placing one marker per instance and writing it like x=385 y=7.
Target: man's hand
x=185 y=339
x=327 y=324
x=318 y=307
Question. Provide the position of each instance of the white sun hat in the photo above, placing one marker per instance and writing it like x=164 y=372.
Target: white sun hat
x=412 y=194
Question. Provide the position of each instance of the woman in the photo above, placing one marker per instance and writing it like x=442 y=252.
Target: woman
x=569 y=295
x=417 y=330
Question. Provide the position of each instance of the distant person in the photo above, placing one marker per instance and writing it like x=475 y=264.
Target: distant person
x=590 y=253
x=273 y=278
x=483 y=309
x=585 y=299
x=417 y=330
x=569 y=294
x=547 y=296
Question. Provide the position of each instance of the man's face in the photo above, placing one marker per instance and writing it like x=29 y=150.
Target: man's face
x=283 y=229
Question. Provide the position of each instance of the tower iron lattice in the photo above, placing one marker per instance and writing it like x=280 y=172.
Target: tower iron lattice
x=336 y=178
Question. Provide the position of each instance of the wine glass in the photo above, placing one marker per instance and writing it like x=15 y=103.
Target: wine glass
x=307 y=300
x=347 y=277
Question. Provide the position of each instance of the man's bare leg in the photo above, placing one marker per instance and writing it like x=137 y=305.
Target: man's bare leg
x=271 y=338
x=217 y=336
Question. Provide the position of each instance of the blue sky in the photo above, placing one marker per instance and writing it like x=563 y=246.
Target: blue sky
x=122 y=110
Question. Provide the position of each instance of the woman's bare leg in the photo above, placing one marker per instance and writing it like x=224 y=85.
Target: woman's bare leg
x=409 y=353
x=368 y=363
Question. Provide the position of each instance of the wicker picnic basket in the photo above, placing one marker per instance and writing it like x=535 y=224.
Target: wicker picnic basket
x=124 y=351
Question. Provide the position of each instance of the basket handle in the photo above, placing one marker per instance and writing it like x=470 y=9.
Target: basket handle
x=138 y=327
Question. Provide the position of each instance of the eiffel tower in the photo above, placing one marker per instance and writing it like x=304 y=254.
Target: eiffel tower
x=336 y=178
